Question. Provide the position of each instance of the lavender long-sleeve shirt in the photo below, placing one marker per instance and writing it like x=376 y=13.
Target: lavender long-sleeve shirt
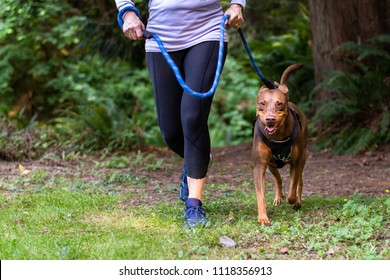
x=182 y=23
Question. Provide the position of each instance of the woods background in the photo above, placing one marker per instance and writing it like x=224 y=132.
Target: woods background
x=71 y=82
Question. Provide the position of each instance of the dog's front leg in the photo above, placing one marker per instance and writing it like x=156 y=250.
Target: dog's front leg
x=278 y=185
x=294 y=196
x=296 y=173
x=259 y=182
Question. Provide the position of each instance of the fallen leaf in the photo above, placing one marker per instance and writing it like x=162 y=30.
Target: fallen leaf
x=284 y=251
x=22 y=170
x=230 y=217
x=227 y=242
x=330 y=252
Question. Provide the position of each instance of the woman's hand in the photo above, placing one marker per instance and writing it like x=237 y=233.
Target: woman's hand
x=236 y=18
x=133 y=26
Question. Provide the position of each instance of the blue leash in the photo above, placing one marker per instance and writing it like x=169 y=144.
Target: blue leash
x=176 y=70
x=172 y=64
x=266 y=82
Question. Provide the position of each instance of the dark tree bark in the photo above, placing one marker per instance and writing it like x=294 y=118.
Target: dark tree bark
x=334 y=22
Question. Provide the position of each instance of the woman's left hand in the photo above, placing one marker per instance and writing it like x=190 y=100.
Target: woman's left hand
x=236 y=18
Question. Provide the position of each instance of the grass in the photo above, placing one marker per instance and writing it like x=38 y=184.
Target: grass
x=44 y=217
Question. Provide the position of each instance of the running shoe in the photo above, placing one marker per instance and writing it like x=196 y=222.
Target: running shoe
x=195 y=216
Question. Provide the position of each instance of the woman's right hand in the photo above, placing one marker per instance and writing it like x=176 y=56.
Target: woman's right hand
x=133 y=26
x=236 y=18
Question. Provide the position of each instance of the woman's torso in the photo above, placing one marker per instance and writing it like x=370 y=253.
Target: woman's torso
x=183 y=23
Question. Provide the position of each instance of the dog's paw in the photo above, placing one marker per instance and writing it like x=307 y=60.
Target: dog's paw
x=292 y=200
x=264 y=221
x=278 y=200
x=296 y=206
x=295 y=202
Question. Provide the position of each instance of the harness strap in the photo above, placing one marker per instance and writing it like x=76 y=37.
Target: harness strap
x=281 y=150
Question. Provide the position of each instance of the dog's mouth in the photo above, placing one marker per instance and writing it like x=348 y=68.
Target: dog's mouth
x=270 y=128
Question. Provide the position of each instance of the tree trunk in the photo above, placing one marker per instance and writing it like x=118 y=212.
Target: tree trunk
x=334 y=22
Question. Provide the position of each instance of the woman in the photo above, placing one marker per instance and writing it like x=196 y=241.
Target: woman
x=190 y=31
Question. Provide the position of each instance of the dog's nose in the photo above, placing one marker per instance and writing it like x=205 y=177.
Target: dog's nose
x=270 y=118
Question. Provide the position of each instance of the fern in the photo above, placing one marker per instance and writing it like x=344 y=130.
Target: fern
x=90 y=126
x=359 y=114
x=384 y=132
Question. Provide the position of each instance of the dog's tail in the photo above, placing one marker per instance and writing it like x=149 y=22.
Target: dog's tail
x=288 y=71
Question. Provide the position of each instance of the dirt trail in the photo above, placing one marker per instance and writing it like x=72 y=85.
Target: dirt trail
x=324 y=174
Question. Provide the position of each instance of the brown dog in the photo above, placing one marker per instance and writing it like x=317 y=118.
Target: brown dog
x=279 y=137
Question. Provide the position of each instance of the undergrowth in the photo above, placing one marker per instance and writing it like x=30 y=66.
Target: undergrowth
x=27 y=143
x=358 y=117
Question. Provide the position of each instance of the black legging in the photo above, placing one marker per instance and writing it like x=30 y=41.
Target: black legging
x=182 y=117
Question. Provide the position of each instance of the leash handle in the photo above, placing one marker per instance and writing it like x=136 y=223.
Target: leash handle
x=172 y=64
x=266 y=82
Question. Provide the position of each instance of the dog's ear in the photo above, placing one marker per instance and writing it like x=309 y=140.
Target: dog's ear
x=283 y=88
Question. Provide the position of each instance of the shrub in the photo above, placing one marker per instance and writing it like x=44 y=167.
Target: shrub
x=30 y=142
x=105 y=105
x=358 y=117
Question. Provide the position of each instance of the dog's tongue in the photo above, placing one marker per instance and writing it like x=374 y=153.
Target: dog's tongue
x=270 y=129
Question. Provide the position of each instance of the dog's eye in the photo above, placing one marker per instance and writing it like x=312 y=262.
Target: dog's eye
x=280 y=106
x=261 y=106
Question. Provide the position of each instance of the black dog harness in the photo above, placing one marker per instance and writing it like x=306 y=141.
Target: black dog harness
x=281 y=150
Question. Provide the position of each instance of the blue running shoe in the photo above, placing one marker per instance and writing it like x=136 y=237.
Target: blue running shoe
x=195 y=214
x=183 y=191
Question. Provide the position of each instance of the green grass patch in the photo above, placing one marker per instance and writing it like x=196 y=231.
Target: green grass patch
x=56 y=218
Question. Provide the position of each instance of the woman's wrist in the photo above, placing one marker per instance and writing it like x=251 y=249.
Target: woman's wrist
x=237 y=6
x=124 y=11
x=128 y=14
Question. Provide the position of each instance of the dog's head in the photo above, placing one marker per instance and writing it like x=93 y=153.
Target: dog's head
x=272 y=108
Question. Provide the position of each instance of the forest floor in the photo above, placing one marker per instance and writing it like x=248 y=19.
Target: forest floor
x=324 y=175
x=113 y=205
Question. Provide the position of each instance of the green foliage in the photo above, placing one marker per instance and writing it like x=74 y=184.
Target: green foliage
x=105 y=105
x=358 y=117
x=36 y=36
x=364 y=222
x=272 y=17
x=47 y=73
x=66 y=64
